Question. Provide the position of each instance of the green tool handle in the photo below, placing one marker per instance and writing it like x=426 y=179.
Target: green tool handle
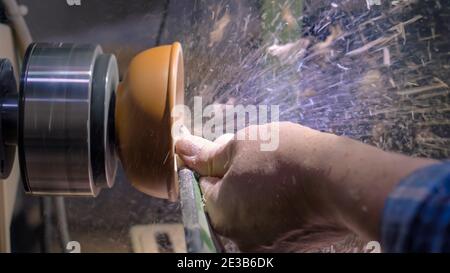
x=200 y=237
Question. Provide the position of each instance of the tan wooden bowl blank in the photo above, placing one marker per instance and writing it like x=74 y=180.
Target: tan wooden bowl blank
x=153 y=85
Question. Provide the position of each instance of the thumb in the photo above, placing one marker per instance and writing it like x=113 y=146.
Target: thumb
x=204 y=156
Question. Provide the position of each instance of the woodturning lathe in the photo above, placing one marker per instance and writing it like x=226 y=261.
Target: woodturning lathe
x=72 y=120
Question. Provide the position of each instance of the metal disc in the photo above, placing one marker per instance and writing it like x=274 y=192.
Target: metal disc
x=8 y=118
x=103 y=152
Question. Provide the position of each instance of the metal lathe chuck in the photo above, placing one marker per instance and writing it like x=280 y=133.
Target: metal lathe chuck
x=62 y=119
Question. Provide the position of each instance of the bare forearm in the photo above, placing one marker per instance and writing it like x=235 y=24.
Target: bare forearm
x=361 y=178
x=345 y=181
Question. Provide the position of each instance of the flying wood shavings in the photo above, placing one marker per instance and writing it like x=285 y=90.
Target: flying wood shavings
x=417 y=90
x=365 y=67
x=289 y=50
x=386 y=56
x=371 y=3
x=336 y=32
x=288 y=17
x=368 y=46
x=399 y=29
x=219 y=27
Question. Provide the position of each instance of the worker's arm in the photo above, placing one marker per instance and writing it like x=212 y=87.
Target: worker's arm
x=254 y=197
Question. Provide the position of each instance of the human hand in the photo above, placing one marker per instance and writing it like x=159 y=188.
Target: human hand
x=254 y=197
